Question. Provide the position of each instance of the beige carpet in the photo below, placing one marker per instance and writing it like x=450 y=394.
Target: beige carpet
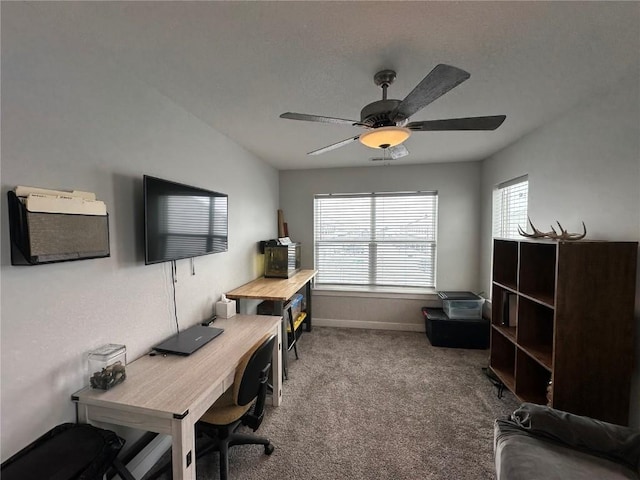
x=370 y=404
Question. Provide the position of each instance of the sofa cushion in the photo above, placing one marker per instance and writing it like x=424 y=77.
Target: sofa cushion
x=621 y=444
x=520 y=455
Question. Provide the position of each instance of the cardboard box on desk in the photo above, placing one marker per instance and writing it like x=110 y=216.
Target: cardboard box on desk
x=226 y=308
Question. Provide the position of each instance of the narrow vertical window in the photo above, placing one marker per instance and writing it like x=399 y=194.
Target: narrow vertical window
x=510 y=207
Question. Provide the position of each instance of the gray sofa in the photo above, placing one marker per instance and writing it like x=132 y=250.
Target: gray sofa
x=538 y=442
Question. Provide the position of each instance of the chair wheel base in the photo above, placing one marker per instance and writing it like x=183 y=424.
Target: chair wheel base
x=268 y=449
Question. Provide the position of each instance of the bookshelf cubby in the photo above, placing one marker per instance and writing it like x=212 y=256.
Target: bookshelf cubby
x=503 y=359
x=535 y=330
x=536 y=275
x=531 y=378
x=562 y=312
x=506 y=271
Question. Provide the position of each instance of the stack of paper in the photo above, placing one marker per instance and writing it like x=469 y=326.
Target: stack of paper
x=57 y=201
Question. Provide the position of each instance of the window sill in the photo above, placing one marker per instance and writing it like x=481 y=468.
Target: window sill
x=405 y=293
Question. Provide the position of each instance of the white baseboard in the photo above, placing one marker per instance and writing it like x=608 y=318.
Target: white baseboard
x=148 y=456
x=332 y=322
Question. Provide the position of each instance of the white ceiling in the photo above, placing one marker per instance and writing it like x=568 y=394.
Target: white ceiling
x=238 y=65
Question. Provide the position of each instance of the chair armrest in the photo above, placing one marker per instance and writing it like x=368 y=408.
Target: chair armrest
x=600 y=438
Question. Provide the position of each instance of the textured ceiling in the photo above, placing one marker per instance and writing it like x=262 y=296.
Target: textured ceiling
x=238 y=65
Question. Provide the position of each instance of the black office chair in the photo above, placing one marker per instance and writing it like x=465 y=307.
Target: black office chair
x=234 y=407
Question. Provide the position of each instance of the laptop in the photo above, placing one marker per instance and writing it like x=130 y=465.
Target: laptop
x=189 y=340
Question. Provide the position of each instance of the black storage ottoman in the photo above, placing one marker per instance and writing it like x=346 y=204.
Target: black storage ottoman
x=443 y=331
x=67 y=452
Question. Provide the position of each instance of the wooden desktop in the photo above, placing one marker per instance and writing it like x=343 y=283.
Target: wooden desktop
x=279 y=290
x=168 y=393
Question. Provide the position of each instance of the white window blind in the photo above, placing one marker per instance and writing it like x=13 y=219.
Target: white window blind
x=510 y=202
x=382 y=239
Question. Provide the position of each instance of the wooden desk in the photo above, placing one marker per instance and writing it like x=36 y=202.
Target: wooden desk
x=168 y=394
x=280 y=290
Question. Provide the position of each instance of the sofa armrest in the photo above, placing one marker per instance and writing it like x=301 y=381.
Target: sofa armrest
x=583 y=433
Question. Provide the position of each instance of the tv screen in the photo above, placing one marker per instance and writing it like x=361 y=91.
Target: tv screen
x=182 y=221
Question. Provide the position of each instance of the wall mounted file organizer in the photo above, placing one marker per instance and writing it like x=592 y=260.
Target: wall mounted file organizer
x=47 y=237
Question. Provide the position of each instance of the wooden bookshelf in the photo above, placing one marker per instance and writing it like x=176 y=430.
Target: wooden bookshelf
x=562 y=311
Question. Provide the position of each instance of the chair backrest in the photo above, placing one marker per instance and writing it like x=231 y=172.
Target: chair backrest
x=253 y=372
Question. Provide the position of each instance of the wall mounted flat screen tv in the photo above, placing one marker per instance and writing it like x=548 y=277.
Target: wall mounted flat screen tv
x=181 y=221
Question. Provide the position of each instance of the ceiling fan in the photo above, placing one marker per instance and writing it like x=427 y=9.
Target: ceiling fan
x=387 y=120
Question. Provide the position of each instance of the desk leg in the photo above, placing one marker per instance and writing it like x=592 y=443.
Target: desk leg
x=183 y=454
x=276 y=369
x=278 y=309
x=308 y=294
x=81 y=413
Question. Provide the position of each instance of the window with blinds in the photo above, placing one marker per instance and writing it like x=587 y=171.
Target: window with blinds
x=510 y=202
x=381 y=239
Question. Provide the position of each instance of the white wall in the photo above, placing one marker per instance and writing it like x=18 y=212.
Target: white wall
x=73 y=119
x=584 y=166
x=458 y=186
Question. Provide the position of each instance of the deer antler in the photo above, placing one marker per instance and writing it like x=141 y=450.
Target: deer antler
x=564 y=235
x=536 y=233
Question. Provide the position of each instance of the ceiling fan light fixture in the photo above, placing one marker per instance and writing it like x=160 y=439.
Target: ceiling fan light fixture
x=385 y=137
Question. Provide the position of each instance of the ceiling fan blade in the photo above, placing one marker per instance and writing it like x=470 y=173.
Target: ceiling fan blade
x=318 y=118
x=471 y=123
x=334 y=146
x=438 y=82
x=398 y=151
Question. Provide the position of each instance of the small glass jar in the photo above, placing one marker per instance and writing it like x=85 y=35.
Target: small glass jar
x=107 y=366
